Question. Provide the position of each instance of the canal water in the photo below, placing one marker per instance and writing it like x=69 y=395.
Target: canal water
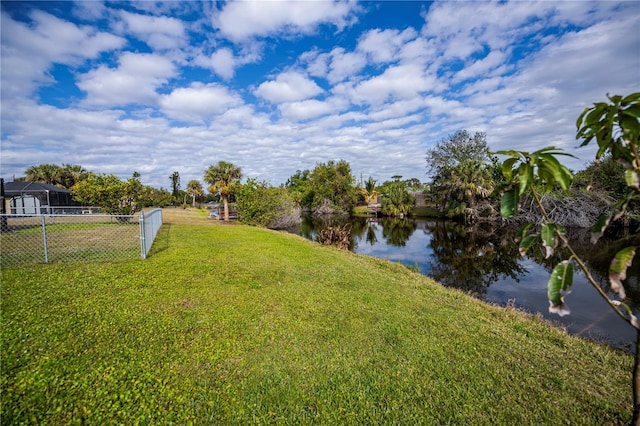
x=482 y=260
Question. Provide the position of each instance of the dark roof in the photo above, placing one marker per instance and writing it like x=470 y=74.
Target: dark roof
x=17 y=188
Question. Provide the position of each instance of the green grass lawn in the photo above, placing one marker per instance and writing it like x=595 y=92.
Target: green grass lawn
x=239 y=325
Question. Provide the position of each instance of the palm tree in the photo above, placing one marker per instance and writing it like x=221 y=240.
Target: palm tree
x=369 y=190
x=194 y=188
x=397 y=201
x=461 y=187
x=175 y=185
x=475 y=181
x=46 y=173
x=72 y=174
x=222 y=177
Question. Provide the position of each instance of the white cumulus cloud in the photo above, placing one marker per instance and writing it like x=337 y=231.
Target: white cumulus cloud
x=384 y=46
x=159 y=32
x=288 y=87
x=344 y=64
x=305 y=110
x=241 y=20
x=222 y=62
x=135 y=80
x=29 y=51
x=395 y=83
x=198 y=102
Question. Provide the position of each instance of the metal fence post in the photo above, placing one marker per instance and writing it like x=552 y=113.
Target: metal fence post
x=3 y=219
x=143 y=248
x=44 y=239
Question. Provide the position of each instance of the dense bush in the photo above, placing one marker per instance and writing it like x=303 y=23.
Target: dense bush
x=606 y=176
x=396 y=200
x=110 y=193
x=149 y=196
x=260 y=204
x=328 y=188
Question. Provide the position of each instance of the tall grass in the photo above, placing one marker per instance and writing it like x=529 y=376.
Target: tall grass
x=239 y=325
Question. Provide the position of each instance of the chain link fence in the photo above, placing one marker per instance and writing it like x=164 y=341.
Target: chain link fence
x=150 y=224
x=71 y=238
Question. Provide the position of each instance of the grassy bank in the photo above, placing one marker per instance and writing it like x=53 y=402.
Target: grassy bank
x=230 y=324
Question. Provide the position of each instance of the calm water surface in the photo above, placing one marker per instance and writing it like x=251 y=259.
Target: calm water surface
x=483 y=261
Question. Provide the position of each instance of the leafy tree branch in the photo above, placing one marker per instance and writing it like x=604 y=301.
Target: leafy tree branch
x=616 y=129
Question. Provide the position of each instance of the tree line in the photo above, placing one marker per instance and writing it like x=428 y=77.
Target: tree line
x=329 y=188
x=462 y=175
x=107 y=191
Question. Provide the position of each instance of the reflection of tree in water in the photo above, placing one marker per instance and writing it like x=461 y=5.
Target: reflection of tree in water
x=371 y=229
x=397 y=231
x=360 y=227
x=306 y=228
x=598 y=258
x=471 y=259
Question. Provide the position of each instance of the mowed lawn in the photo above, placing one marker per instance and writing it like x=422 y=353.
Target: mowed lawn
x=229 y=324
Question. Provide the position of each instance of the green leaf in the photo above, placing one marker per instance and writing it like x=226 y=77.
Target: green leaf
x=601 y=151
x=587 y=136
x=507 y=168
x=522 y=232
x=510 y=153
x=634 y=97
x=618 y=269
x=595 y=115
x=526 y=243
x=600 y=226
x=509 y=203
x=615 y=99
x=603 y=137
x=632 y=178
x=549 y=238
x=560 y=282
x=633 y=111
x=630 y=126
x=622 y=204
x=579 y=121
x=546 y=176
x=561 y=173
x=565 y=178
x=551 y=150
x=525 y=178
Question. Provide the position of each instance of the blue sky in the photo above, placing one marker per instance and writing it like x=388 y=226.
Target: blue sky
x=275 y=87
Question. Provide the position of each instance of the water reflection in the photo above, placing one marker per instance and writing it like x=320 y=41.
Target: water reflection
x=473 y=258
x=483 y=261
x=397 y=231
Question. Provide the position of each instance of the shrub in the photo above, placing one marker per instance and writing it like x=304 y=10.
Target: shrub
x=260 y=204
